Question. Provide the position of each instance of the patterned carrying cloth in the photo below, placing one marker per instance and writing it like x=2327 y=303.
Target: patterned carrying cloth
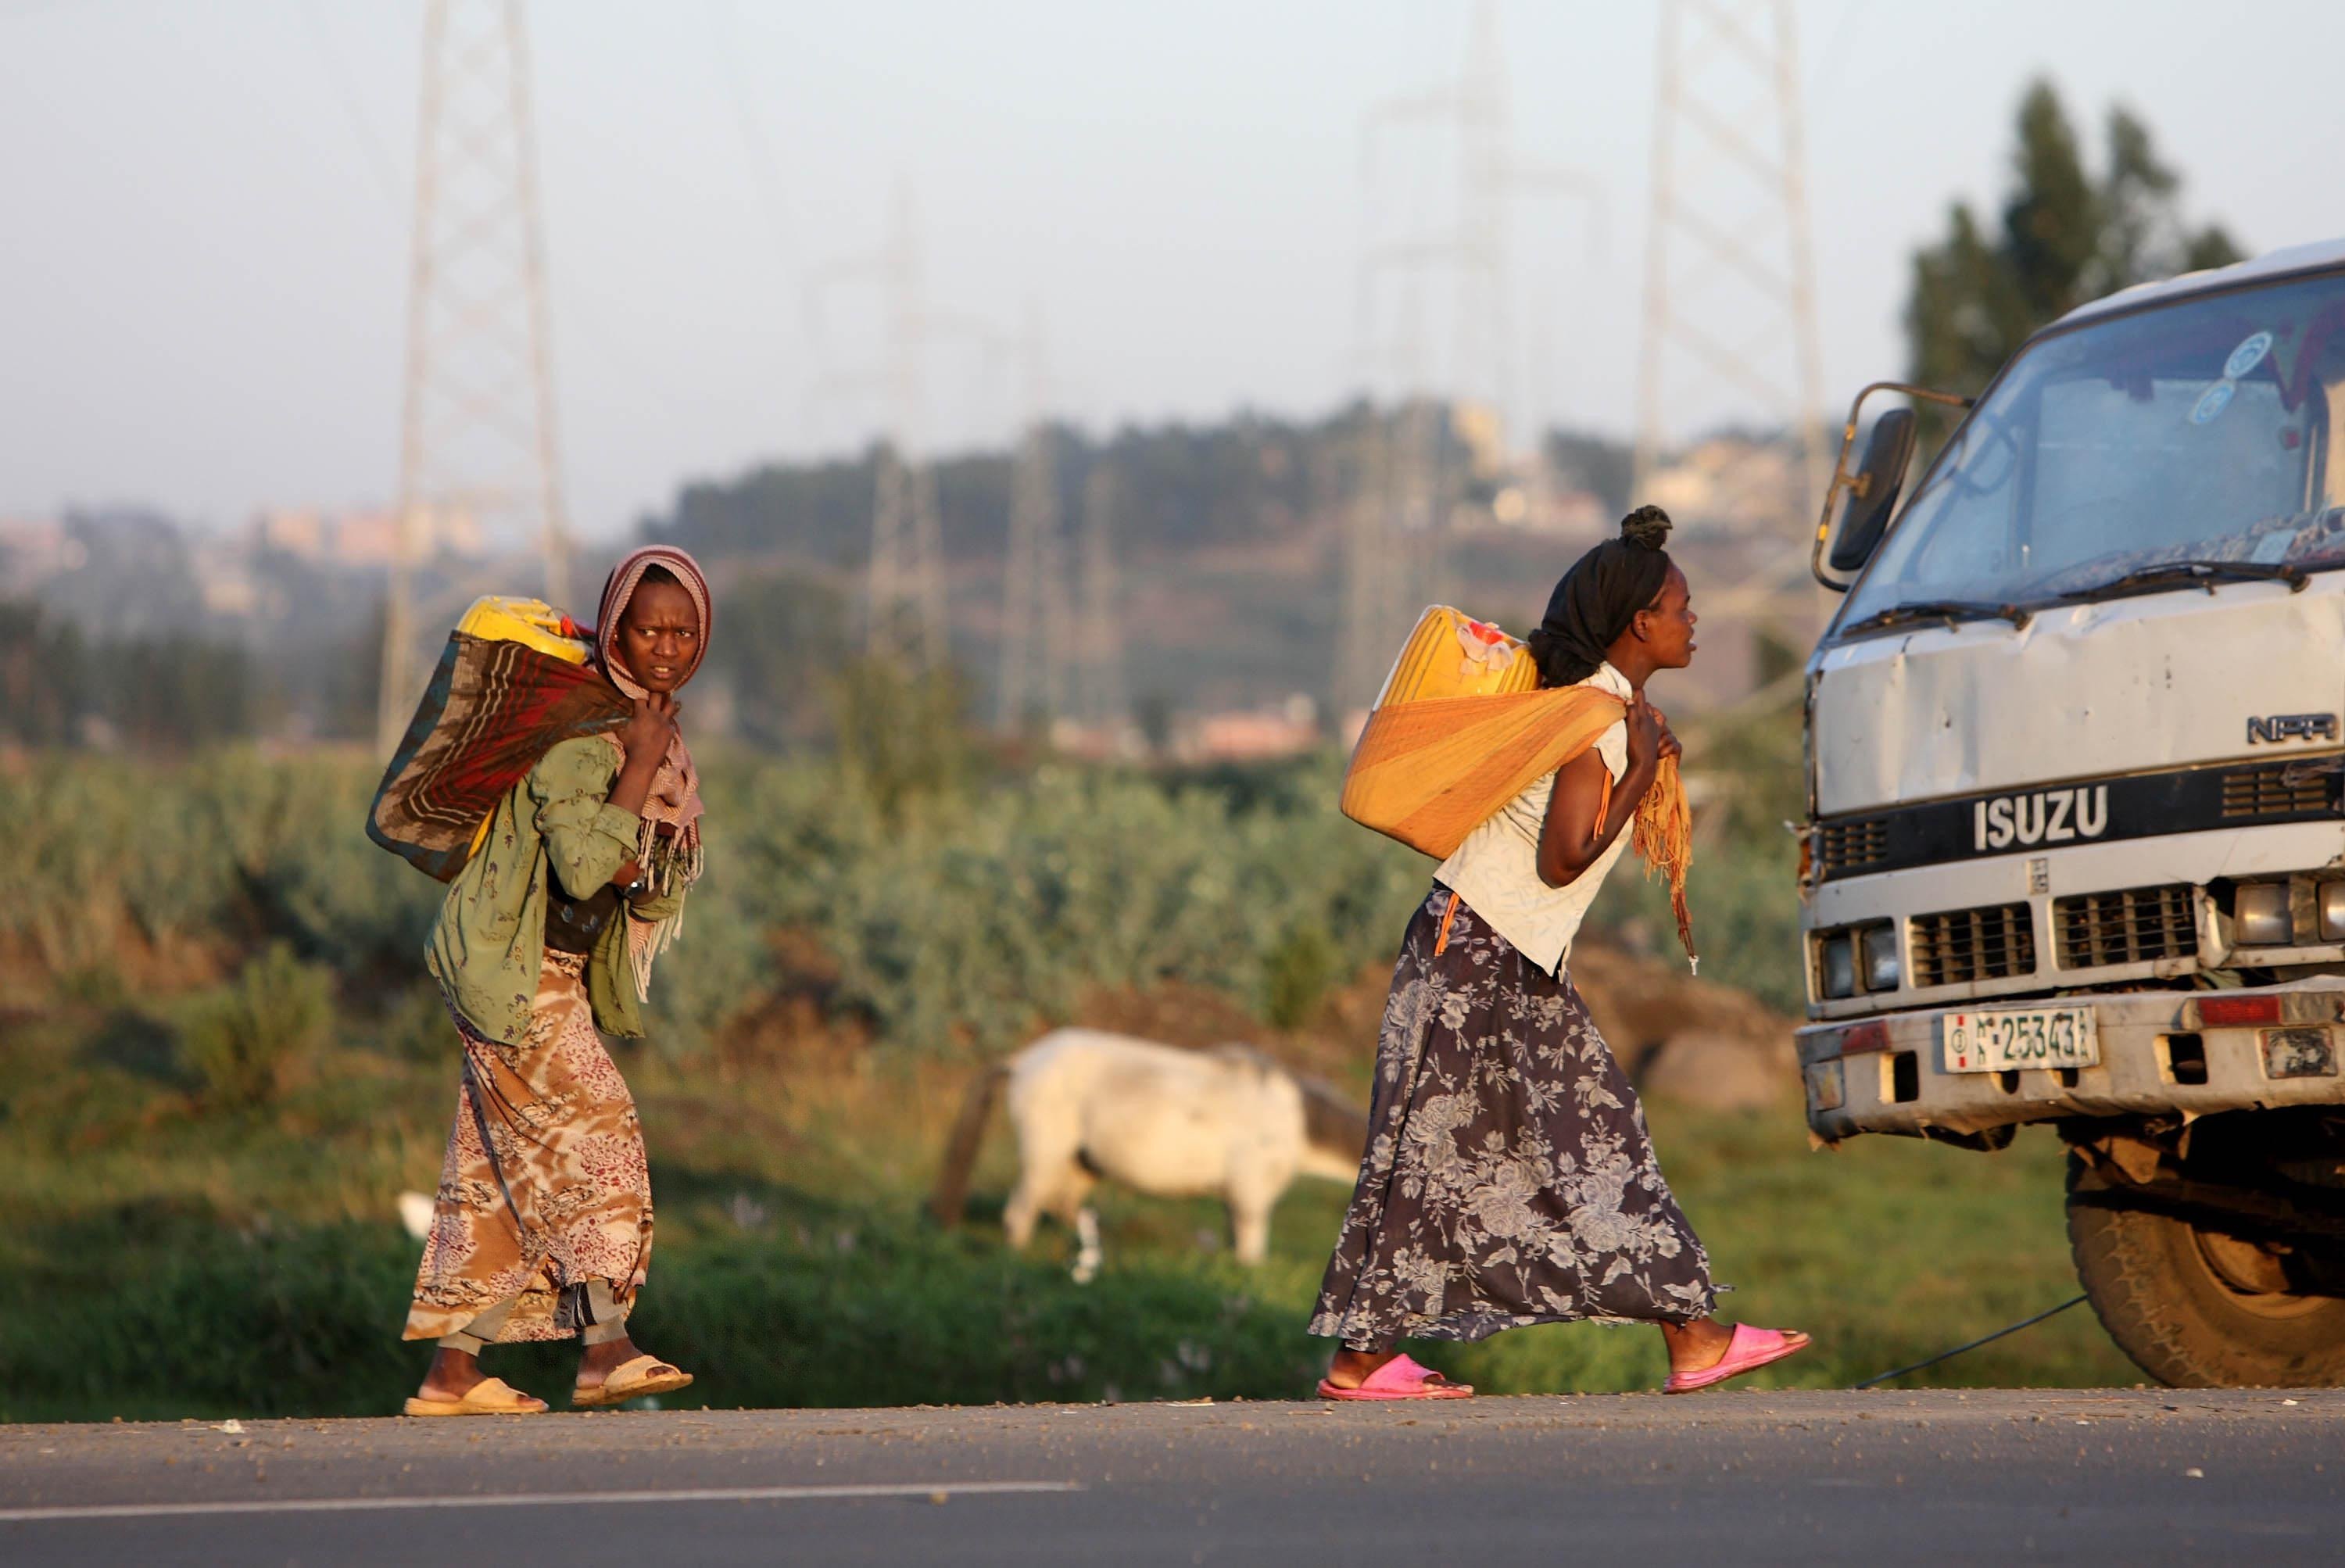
x=494 y=707
x=491 y=709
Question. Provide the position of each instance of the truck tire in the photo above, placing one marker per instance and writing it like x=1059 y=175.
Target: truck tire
x=2173 y=1299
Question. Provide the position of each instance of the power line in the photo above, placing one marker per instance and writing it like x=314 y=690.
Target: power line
x=764 y=168
x=905 y=591
x=379 y=161
x=1392 y=529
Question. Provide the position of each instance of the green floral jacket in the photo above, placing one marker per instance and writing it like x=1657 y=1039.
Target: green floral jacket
x=490 y=941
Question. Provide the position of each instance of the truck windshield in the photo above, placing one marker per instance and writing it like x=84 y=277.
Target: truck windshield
x=2196 y=431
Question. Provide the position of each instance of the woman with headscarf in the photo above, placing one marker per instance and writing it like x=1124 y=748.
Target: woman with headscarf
x=1508 y=1178
x=542 y=1228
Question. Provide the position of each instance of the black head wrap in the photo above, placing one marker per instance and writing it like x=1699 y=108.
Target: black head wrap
x=1599 y=596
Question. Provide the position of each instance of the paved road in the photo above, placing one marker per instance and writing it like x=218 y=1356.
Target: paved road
x=2099 y=1476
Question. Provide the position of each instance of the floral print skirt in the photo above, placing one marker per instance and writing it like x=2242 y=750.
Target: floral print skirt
x=1508 y=1178
x=544 y=1187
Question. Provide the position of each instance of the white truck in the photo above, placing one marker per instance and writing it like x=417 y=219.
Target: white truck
x=2075 y=849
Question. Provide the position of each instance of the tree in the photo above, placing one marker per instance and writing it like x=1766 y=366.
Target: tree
x=2065 y=236
x=903 y=731
x=778 y=630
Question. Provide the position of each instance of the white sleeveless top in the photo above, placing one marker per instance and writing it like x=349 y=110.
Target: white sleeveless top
x=1495 y=869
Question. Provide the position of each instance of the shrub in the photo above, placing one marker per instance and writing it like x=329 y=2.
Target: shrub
x=1297 y=974
x=415 y=1026
x=246 y=1041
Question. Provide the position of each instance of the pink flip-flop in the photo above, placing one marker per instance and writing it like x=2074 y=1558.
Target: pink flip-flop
x=1399 y=1378
x=1750 y=1349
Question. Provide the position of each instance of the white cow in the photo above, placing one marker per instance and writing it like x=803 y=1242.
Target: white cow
x=1089 y=1105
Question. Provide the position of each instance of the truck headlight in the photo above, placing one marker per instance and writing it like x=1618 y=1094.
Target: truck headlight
x=1879 y=945
x=1836 y=965
x=2331 y=903
x=2260 y=915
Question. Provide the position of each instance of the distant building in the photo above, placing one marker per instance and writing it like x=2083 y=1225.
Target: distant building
x=34 y=549
x=225 y=578
x=1113 y=742
x=290 y=531
x=1731 y=486
x=372 y=538
x=366 y=540
x=1251 y=735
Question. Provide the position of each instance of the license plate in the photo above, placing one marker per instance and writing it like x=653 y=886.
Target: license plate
x=2004 y=1041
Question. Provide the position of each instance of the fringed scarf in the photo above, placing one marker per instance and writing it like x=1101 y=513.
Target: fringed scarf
x=669 y=852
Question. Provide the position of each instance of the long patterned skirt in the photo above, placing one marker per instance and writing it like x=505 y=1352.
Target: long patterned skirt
x=1508 y=1178
x=545 y=1187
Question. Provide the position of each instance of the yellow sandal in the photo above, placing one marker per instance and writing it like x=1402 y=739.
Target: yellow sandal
x=488 y=1397
x=629 y=1381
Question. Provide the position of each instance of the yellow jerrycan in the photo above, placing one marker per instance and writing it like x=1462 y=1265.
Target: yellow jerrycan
x=499 y=617
x=1450 y=654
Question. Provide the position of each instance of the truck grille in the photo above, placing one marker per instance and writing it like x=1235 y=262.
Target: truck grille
x=1956 y=947
x=2274 y=790
x=2131 y=926
x=1844 y=847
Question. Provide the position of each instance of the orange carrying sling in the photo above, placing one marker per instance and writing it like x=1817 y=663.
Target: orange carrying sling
x=1459 y=730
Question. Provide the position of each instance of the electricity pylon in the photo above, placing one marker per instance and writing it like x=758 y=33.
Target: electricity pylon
x=1035 y=654
x=477 y=434
x=1099 y=624
x=907 y=576
x=1730 y=183
x=1367 y=634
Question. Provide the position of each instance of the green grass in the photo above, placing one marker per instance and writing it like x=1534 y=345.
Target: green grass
x=170 y=1260
x=201 y=1184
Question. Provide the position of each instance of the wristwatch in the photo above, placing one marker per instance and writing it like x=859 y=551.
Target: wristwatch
x=638 y=886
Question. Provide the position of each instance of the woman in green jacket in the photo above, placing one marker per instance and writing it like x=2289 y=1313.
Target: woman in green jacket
x=542 y=1227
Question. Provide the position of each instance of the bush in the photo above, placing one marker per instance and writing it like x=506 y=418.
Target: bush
x=1297 y=974
x=954 y=918
x=247 y=1041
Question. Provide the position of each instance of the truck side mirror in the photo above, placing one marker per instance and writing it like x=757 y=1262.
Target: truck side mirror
x=1872 y=489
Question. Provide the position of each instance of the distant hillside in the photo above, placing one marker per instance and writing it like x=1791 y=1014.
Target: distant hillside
x=1228 y=539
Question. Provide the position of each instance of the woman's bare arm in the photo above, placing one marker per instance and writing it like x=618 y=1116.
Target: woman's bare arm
x=1572 y=839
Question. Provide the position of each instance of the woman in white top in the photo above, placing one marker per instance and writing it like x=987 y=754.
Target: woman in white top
x=1508 y=1177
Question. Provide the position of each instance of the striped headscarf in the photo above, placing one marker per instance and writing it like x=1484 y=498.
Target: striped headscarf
x=670 y=858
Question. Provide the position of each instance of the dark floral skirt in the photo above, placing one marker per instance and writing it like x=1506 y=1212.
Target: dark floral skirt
x=1508 y=1178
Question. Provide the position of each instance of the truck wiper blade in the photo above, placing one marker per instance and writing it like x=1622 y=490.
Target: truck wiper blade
x=2204 y=573
x=1946 y=610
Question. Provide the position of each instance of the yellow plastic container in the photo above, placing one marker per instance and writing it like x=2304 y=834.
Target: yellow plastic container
x=1450 y=654
x=501 y=618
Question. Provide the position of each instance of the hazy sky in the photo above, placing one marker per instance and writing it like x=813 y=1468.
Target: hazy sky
x=203 y=268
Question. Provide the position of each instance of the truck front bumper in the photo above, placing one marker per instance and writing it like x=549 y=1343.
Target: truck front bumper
x=2161 y=1053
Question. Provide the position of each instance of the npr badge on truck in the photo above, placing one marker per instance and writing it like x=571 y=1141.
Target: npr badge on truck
x=2292 y=726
